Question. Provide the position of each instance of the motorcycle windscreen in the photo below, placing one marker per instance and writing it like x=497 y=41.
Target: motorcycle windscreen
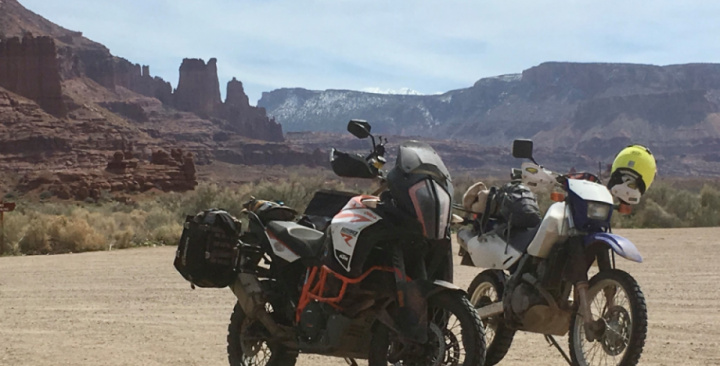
x=432 y=207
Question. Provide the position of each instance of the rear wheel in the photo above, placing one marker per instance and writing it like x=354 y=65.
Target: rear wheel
x=248 y=344
x=618 y=306
x=486 y=289
x=455 y=337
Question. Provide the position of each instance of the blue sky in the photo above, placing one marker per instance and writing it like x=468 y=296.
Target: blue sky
x=426 y=46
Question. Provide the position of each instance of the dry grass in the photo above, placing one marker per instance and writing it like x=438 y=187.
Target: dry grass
x=52 y=227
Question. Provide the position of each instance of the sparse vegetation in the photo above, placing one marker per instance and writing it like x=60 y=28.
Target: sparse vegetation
x=45 y=227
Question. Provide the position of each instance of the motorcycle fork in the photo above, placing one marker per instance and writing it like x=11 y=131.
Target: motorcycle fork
x=605 y=264
x=411 y=320
x=577 y=273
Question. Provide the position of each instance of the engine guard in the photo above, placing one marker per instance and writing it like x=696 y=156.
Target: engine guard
x=620 y=245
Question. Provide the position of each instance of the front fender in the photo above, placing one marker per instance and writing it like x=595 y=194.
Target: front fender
x=620 y=245
x=440 y=286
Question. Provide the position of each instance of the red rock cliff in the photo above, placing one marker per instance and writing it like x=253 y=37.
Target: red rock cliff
x=245 y=119
x=137 y=79
x=198 y=89
x=30 y=68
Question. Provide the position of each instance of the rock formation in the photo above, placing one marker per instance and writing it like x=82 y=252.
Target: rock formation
x=137 y=79
x=245 y=119
x=29 y=67
x=198 y=89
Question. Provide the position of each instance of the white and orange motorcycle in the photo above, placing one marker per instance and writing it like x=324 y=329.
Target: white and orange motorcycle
x=374 y=284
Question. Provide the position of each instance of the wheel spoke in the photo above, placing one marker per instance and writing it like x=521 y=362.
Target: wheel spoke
x=611 y=304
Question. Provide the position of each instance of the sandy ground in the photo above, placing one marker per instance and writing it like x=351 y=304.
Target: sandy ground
x=130 y=307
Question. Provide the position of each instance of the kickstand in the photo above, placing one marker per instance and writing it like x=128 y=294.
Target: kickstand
x=351 y=361
x=550 y=339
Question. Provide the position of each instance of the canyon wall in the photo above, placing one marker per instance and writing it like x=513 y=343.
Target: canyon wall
x=29 y=67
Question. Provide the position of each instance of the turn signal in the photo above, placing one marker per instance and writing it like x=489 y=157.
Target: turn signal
x=557 y=196
x=625 y=209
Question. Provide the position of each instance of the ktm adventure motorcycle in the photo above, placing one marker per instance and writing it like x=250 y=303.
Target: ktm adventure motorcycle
x=375 y=284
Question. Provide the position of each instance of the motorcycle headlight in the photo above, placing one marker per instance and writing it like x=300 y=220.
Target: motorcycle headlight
x=598 y=211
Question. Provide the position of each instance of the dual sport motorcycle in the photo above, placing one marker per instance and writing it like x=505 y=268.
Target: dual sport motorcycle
x=536 y=278
x=375 y=284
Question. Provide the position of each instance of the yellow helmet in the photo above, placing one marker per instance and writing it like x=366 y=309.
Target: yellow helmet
x=634 y=169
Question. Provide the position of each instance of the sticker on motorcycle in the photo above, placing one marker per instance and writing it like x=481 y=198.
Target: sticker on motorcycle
x=345 y=229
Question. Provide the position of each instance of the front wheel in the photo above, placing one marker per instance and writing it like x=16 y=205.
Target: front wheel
x=455 y=337
x=618 y=306
x=248 y=345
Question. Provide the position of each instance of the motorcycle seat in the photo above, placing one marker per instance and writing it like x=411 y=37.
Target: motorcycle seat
x=302 y=240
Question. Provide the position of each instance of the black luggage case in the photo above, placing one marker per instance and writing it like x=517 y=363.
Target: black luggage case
x=208 y=253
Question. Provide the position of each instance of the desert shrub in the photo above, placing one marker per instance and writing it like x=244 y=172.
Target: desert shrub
x=74 y=235
x=709 y=207
x=122 y=239
x=661 y=193
x=168 y=234
x=204 y=197
x=36 y=239
x=14 y=227
x=294 y=192
x=685 y=205
x=710 y=197
x=655 y=216
x=157 y=217
x=42 y=227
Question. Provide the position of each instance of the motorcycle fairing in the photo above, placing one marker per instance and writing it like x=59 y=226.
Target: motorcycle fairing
x=489 y=250
x=416 y=157
x=432 y=207
x=590 y=191
x=346 y=226
x=620 y=245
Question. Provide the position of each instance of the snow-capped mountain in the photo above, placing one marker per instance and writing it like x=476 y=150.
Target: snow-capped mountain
x=593 y=108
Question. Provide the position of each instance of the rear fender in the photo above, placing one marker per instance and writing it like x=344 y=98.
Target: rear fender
x=620 y=245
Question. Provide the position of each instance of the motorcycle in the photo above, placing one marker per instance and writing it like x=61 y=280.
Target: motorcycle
x=536 y=279
x=375 y=284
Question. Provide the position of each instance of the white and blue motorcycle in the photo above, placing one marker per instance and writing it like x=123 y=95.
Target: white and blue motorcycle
x=536 y=278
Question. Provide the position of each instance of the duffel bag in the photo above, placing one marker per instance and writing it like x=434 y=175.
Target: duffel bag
x=517 y=205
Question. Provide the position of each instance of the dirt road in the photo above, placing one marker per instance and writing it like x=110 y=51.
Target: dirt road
x=130 y=307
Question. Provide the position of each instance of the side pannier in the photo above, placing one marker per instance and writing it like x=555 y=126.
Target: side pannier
x=208 y=251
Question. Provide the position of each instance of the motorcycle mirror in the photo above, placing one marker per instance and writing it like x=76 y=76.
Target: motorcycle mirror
x=359 y=128
x=522 y=148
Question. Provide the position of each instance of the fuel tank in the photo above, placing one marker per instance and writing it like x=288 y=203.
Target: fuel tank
x=553 y=229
